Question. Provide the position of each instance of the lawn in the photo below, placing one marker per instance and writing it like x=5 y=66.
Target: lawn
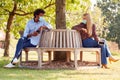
x=61 y=74
x=85 y=74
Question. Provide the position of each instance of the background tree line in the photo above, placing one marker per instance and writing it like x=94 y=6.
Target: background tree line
x=111 y=11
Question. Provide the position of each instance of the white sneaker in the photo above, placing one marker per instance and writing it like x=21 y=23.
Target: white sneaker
x=15 y=61
x=10 y=65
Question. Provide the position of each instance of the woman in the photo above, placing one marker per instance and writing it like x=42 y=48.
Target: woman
x=90 y=39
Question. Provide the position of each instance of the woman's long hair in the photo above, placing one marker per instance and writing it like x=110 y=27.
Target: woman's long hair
x=89 y=23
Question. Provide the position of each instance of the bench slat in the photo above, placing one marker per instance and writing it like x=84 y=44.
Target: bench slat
x=60 y=39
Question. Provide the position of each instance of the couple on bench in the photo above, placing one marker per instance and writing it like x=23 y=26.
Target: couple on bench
x=87 y=30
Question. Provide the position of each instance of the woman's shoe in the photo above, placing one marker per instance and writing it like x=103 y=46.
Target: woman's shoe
x=105 y=66
x=111 y=59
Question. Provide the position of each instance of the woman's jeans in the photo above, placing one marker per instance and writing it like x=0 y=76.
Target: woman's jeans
x=22 y=43
x=105 y=52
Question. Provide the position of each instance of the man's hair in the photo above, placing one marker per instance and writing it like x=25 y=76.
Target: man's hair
x=38 y=11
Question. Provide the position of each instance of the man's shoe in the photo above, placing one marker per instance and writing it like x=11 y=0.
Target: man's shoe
x=15 y=61
x=10 y=65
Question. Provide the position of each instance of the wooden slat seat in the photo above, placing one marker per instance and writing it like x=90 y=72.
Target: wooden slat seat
x=63 y=40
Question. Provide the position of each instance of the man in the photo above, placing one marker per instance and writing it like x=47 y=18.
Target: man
x=31 y=35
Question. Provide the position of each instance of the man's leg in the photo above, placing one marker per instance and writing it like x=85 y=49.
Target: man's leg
x=22 y=43
x=19 y=47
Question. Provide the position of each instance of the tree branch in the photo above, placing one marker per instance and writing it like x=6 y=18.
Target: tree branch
x=5 y=9
x=24 y=14
x=20 y=10
x=3 y=14
x=50 y=4
x=15 y=7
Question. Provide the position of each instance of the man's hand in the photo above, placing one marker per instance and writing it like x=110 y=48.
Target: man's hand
x=32 y=34
x=42 y=27
x=35 y=33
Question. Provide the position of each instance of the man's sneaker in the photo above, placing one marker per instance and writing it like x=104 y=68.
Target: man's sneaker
x=15 y=61
x=10 y=65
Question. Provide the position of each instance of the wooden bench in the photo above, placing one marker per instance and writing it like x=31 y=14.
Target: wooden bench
x=62 y=40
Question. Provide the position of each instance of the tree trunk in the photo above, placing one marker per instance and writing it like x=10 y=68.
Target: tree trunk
x=7 y=38
x=8 y=28
x=60 y=24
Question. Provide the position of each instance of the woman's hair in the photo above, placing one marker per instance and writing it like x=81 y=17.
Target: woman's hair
x=89 y=23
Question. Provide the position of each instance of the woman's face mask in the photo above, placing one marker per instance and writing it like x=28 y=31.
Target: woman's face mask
x=84 y=21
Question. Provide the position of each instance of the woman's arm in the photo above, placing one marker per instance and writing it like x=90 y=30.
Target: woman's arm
x=79 y=28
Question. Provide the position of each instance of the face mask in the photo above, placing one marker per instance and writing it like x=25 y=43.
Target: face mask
x=84 y=21
x=41 y=19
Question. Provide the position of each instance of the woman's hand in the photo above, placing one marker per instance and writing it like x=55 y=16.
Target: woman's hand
x=83 y=29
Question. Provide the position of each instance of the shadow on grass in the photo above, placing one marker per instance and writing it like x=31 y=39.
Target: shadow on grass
x=66 y=72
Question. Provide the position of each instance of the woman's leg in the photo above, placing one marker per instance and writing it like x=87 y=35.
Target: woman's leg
x=103 y=54
x=89 y=42
x=108 y=53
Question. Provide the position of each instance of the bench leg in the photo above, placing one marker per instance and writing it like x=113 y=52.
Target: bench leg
x=39 y=58
x=81 y=56
x=68 y=56
x=98 y=58
x=26 y=55
x=75 y=58
x=49 y=56
x=42 y=56
x=20 y=59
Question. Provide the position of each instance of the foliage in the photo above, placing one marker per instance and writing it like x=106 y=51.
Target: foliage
x=23 y=13
x=26 y=7
x=75 y=10
x=98 y=20
x=111 y=9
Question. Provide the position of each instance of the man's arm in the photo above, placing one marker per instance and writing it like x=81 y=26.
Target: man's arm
x=46 y=25
x=26 y=31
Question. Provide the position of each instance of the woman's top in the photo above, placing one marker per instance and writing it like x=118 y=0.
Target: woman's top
x=82 y=28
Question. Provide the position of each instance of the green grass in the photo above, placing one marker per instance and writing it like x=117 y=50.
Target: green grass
x=61 y=74
x=85 y=74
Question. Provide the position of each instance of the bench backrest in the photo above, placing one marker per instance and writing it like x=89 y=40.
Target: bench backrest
x=61 y=38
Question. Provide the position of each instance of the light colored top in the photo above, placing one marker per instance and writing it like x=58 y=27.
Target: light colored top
x=32 y=26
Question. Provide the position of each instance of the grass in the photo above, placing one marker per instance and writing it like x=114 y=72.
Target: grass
x=61 y=74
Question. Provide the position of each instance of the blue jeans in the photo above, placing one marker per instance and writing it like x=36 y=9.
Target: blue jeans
x=22 y=43
x=105 y=52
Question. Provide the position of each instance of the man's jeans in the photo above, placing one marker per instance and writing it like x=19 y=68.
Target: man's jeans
x=22 y=43
x=105 y=52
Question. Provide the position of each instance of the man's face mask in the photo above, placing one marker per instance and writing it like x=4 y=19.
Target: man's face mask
x=84 y=21
x=41 y=19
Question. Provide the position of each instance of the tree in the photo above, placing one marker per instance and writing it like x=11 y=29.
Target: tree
x=60 y=24
x=111 y=10
x=61 y=18
x=17 y=8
